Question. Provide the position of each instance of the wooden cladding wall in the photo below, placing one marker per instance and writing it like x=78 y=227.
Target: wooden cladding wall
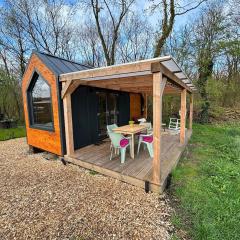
x=45 y=140
x=135 y=105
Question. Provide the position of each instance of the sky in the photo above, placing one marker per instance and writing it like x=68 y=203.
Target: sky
x=179 y=20
x=154 y=18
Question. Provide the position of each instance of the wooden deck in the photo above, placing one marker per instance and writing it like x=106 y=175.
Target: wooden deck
x=134 y=171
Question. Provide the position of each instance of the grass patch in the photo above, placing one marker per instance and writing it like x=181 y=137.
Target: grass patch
x=206 y=184
x=92 y=172
x=6 y=134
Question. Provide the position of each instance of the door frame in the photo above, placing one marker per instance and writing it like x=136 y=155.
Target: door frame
x=107 y=93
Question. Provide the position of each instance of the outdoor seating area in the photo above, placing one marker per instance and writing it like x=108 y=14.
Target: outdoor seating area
x=135 y=171
x=137 y=151
x=120 y=142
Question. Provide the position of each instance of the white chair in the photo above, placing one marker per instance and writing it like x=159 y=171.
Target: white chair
x=148 y=125
x=111 y=127
x=147 y=139
x=110 y=130
x=119 y=142
x=142 y=120
x=174 y=124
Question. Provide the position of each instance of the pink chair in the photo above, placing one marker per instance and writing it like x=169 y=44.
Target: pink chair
x=147 y=139
x=119 y=142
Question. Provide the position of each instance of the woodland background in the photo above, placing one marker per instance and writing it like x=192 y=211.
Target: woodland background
x=203 y=36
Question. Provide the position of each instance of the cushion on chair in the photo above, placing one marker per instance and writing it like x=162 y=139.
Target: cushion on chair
x=148 y=139
x=124 y=142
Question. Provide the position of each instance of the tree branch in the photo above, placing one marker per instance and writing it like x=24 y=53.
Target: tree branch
x=190 y=9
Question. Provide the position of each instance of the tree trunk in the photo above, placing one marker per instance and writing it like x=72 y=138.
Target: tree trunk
x=205 y=72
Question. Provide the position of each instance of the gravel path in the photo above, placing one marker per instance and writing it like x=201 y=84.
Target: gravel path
x=42 y=199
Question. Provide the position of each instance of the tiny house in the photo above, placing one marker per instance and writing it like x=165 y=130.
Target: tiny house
x=67 y=108
x=93 y=108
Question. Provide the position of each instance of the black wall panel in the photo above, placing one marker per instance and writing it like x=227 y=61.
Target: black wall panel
x=84 y=114
x=124 y=108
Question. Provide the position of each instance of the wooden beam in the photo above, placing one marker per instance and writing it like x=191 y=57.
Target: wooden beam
x=139 y=84
x=68 y=124
x=191 y=112
x=109 y=72
x=129 y=80
x=158 y=86
x=114 y=84
x=139 y=90
x=122 y=70
x=183 y=115
x=157 y=66
x=65 y=88
x=146 y=105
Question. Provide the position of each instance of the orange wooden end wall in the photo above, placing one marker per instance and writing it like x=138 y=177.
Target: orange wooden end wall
x=45 y=140
x=135 y=105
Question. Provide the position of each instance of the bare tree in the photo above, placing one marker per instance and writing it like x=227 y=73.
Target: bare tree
x=136 y=38
x=111 y=14
x=39 y=24
x=49 y=25
x=13 y=42
x=90 y=47
x=24 y=25
x=170 y=9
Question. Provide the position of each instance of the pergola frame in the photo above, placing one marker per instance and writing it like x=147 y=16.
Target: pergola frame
x=153 y=76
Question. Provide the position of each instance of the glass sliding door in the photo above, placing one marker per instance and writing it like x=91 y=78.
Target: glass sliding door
x=102 y=114
x=112 y=106
x=107 y=111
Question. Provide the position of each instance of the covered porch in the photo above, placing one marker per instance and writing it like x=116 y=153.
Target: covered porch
x=153 y=77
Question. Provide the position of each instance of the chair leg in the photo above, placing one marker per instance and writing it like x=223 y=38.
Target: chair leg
x=112 y=149
x=150 y=149
x=123 y=154
x=116 y=151
x=130 y=145
x=139 y=143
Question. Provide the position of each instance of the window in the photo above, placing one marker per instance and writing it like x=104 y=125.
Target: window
x=40 y=105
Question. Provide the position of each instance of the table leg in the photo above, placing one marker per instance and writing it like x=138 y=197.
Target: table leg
x=132 y=147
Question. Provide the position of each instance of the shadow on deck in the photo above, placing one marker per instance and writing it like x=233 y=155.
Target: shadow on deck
x=134 y=171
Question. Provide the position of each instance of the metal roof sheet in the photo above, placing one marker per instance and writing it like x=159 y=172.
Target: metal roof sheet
x=60 y=65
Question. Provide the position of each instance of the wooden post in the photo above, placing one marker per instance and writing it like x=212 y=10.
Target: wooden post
x=158 y=86
x=191 y=112
x=68 y=123
x=183 y=115
x=146 y=105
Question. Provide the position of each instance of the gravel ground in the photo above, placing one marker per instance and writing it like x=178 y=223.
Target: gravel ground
x=42 y=199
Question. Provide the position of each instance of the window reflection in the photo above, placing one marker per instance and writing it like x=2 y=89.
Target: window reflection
x=41 y=104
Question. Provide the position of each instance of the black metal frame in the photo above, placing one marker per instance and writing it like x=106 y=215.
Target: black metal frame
x=107 y=92
x=33 y=80
x=61 y=116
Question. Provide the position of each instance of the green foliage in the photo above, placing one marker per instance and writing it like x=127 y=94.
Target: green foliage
x=92 y=172
x=223 y=92
x=10 y=97
x=207 y=182
x=6 y=134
